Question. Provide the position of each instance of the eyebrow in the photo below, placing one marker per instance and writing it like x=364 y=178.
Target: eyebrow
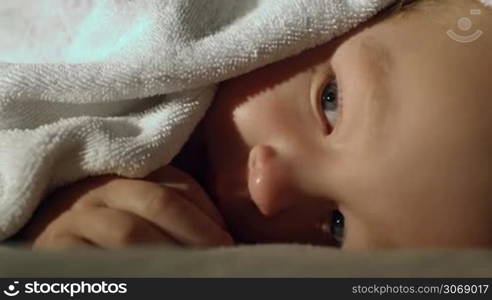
x=377 y=55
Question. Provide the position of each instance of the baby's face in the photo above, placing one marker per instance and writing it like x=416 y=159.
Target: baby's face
x=408 y=162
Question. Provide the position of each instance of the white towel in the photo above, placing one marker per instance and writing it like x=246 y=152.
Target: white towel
x=93 y=87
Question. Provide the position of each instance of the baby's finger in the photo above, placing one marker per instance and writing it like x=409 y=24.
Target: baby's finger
x=112 y=228
x=174 y=178
x=171 y=212
x=63 y=242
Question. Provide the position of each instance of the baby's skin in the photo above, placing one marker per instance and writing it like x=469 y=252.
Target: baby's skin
x=379 y=139
x=167 y=207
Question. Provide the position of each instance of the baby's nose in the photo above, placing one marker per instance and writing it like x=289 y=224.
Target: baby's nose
x=270 y=181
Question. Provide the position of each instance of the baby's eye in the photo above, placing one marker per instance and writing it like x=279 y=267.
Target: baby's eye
x=337 y=226
x=329 y=102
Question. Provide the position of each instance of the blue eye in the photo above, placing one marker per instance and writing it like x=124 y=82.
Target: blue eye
x=337 y=226
x=329 y=102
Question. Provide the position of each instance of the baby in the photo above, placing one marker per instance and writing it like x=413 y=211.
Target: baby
x=379 y=139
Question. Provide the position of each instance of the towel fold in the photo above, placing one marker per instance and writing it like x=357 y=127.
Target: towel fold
x=92 y=87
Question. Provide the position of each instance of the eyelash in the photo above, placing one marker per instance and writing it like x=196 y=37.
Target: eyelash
x=331 y=124
x=337 y=219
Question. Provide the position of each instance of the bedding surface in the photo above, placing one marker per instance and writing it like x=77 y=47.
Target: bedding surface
x=245 y=261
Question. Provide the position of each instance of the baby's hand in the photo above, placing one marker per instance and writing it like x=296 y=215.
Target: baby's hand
x=110 y=212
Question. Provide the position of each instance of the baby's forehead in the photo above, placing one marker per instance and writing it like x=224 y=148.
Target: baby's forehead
x=280 y=72
x=377 y=45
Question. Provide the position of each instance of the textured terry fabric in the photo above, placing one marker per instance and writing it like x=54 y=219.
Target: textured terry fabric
x=93 y=87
